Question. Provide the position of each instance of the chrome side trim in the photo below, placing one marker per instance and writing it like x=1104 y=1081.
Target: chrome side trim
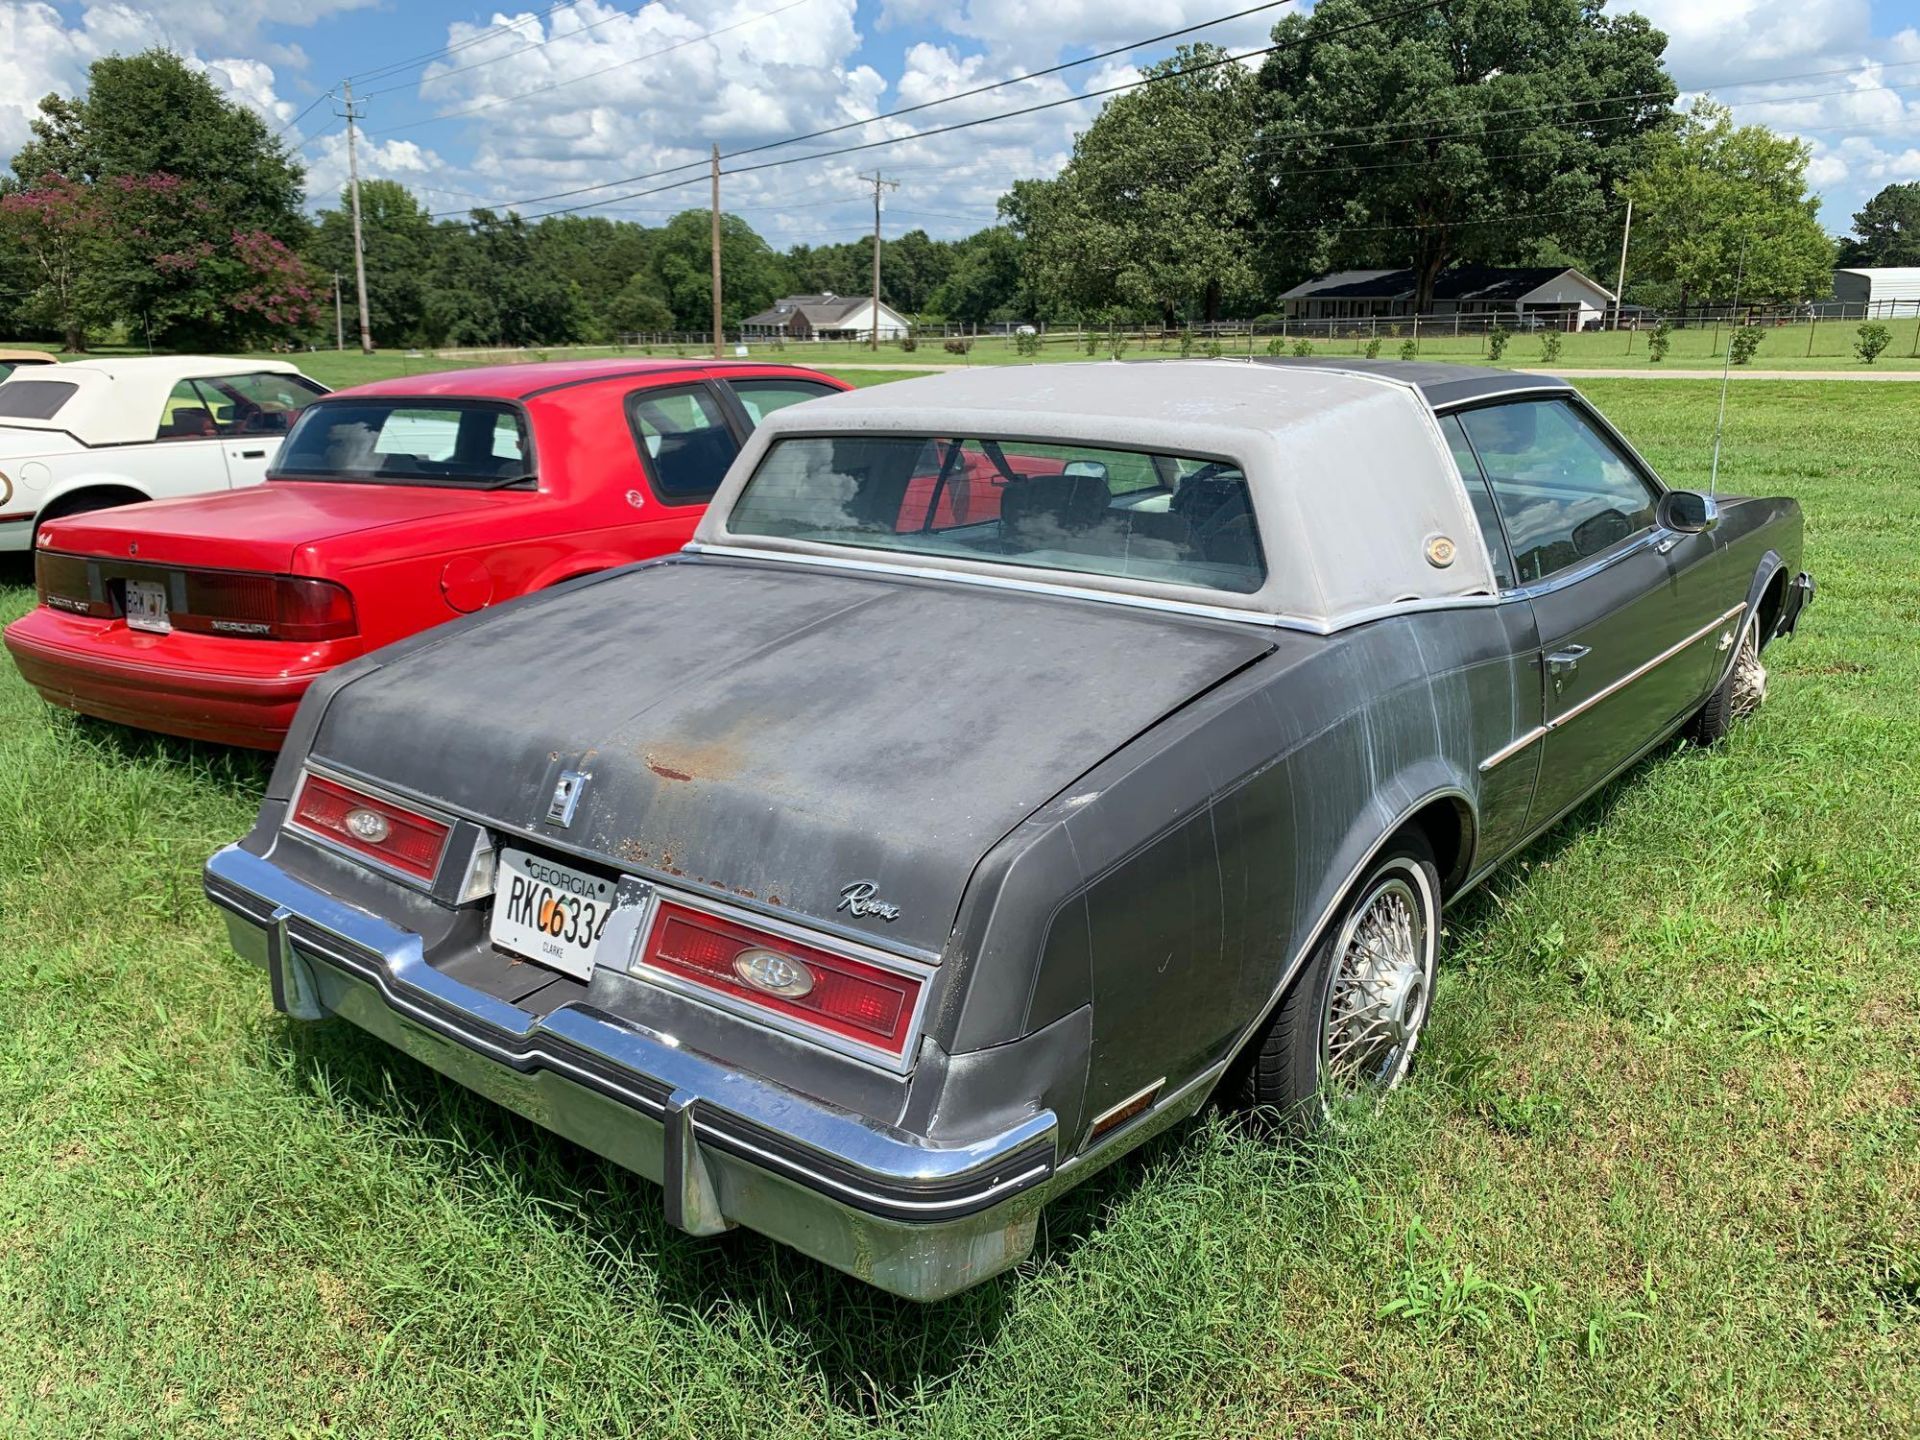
x=1514 y=747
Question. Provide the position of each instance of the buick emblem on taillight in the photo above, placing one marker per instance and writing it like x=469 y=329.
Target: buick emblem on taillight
x=861 y=899
x=566 y=797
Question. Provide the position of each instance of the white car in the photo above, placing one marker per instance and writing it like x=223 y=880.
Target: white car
x=94 y=433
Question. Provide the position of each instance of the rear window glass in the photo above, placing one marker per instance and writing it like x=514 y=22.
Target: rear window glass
x=34 y=399
x=1074 y=508
x=408 y=442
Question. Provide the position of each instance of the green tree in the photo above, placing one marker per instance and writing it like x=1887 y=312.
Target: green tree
x=192 y=204
x=638 y=307
x=1153 y=212
x=398 y=239
x=490 y=289
x=752 y=276
x=598 y=256
x=986 y=281
x=1721 y=208
x=1477 y=132
x=1886 y=231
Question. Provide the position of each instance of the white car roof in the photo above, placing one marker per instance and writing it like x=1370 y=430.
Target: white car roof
x=1351 y=480
x=119 y=398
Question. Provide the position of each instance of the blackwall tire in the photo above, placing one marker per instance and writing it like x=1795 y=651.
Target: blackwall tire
x=1740 y=692
x=1352 y=1021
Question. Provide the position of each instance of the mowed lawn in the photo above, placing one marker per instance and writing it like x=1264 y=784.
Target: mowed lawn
x=1657 y=1173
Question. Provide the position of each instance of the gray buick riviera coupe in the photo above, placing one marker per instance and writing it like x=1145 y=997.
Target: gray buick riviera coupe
x=1015 y=759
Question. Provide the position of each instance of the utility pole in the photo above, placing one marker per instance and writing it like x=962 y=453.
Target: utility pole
x=716 y=254
x=1620 y=280
x=339 y=325
x=879 y=182
x=359 y=247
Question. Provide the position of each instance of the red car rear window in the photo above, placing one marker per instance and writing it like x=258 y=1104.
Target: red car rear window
x=478 y=443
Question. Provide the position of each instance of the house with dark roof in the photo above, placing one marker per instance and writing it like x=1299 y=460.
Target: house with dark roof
x=823 y=317
x=1555 y=294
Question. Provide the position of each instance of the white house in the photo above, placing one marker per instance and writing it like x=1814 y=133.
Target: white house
x=1883 y=291
x=1558 y=294
x=823 y=317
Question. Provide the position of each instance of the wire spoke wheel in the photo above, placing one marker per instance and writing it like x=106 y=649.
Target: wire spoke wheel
x=1378 y=995
x=1749 y=677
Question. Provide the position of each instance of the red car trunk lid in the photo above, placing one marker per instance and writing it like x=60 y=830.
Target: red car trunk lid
x=261 y=528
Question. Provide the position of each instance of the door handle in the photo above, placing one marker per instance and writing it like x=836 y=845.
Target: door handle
x=1562 y=663
x=253 y=454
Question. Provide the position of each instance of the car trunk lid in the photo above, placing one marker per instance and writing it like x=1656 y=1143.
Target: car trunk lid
x=777 y=733
x=261 y=528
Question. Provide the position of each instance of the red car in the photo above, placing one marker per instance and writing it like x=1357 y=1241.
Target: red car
x=390 y=507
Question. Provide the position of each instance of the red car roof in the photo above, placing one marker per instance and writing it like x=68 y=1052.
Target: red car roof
x=516 y=382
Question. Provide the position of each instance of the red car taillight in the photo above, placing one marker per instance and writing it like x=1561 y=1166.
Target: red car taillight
x=64 y=584
x=269 y=607
x=835 y=993
x=379 y=829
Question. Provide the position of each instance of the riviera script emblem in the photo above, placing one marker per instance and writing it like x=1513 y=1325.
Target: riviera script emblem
x=858 y=901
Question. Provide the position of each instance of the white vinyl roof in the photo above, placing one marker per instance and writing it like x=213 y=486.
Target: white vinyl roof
x=121 y=397
x=1350 y=478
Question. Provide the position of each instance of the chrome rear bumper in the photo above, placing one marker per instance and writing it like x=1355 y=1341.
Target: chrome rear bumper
x=920 y=1220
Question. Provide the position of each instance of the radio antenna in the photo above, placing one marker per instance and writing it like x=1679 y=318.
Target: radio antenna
x=1726 y=371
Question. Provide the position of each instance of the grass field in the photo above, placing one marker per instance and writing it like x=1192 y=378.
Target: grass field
x=1827 y=346
x=1658 y=1172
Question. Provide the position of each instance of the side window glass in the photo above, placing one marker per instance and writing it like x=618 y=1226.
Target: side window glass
x=686 y=439
x=1563 y=489
x=1481 y=498
x=187 y=415
x=264 y=404
x=760 y=398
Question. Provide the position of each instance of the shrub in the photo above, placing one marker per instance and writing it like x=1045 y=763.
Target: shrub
x=1659 y=342
x=1742 y=343
x=1026 y=342
x=1303 y=346
x=1550 y=346
x=1873 y=339
x=959 y=345
x=1373 y=348
x=908 y=343
x=1409 y=349
x=1497 y=339
x=1277 y=346
x=1186 y=343
x=1116 y=344
x=1213 y=349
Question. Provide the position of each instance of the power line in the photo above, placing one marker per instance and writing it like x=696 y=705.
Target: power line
x=312 y=105
x=1201 y=67
x=591 y=74
x=380 y=72
x=1016 y=79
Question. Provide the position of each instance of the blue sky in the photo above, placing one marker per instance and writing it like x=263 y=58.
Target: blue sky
x=559 y=99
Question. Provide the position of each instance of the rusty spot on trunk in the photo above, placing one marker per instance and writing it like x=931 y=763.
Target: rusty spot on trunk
x=666 y=772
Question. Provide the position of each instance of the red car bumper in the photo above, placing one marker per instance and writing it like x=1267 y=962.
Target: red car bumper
x=202 y=687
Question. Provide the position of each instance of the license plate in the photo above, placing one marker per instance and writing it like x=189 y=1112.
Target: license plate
x=147 y=607
x=549 y=912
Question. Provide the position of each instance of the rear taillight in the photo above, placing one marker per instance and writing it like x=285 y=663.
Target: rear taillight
x=407 y=841
x=835 y=993
x=266 y=607
x=65 y=584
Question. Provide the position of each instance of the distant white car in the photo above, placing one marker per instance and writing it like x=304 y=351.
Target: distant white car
x=95 y=433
